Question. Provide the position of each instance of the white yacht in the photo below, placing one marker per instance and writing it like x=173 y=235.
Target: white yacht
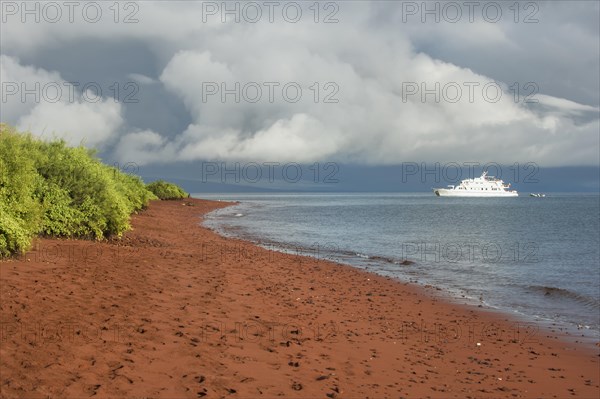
x=484 y=186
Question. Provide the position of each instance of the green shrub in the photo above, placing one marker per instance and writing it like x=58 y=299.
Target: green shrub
x=167 y=191
x=20 y=212
x=15 y=234
x=51 y=189
x=60 y=218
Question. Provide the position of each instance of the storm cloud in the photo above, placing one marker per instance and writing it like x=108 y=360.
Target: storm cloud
x=373 y=83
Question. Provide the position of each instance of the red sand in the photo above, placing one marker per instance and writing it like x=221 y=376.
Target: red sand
x=175 y=311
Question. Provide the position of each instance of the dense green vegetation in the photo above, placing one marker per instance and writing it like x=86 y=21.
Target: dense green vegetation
x=48 y=188
x=167 y=191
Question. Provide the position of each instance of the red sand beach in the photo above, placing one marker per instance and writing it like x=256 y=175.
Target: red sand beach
x=173 y=310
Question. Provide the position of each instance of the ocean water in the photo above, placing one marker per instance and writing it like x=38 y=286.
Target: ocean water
x=536 y=257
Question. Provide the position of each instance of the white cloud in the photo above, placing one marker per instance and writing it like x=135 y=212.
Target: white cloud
x=565 y=105
x=298 y=139
x=53 y=108
x=16 y=81
x=469 y=116
x=141 y=78
x=79 y=123
x=143 y=147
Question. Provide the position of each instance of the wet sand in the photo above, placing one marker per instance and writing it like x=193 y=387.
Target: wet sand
x=173 y=310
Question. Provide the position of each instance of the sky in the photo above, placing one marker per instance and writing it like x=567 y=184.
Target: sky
x=176 y=88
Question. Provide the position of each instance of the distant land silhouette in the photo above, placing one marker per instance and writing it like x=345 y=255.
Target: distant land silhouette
x=359 y=178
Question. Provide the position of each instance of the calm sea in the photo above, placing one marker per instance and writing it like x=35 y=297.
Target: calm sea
x=537 y=257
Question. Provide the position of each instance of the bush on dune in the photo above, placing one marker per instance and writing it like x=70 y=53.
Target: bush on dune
x=51 y=189
x=167 y=191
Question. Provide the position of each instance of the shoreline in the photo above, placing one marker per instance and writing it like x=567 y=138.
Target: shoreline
x=571 y=332
x=176 y=310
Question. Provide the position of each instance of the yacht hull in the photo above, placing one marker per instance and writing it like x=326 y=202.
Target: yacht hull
x=445 y=192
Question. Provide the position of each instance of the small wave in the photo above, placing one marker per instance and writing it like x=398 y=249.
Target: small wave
x=377 y=258
x=384 y=259
x=404 y=262
x=557 y=292
x=237 y=215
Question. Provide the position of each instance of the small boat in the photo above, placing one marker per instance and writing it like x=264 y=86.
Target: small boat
x=484 y=186
x=538 y=195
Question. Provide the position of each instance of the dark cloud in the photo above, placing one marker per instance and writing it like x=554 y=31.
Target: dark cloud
x=371 y=55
